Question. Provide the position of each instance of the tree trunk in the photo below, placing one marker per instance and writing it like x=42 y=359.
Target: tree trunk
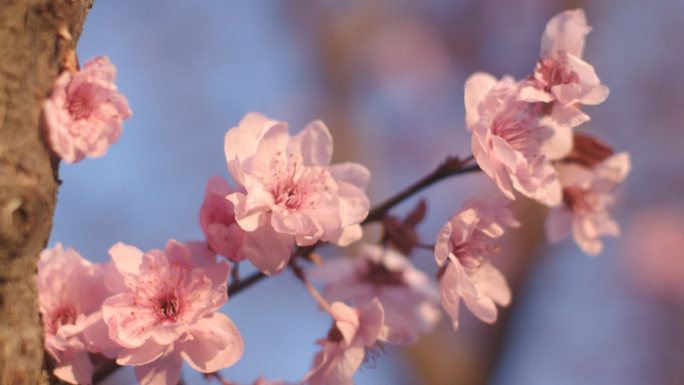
x=34 y=38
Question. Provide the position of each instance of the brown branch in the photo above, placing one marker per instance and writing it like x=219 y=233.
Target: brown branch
x=34 y=36
x=450 y=167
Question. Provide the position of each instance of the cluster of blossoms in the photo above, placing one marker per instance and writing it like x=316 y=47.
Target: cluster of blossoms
x=523 y=136
x=155 y=310
x=149 y=310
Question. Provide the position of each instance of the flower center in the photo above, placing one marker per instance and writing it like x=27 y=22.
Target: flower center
x=553 y=71
x=78 y=105
x=288 y=195
x=578 y=200
x=475 y=252
x=65 y=315
x=169 y=307
x=520 y=132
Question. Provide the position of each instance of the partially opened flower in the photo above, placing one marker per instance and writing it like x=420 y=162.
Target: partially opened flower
x=354 y=332
x=511 y=142
x=464 y=248
x=85 y=112
x=561 y=76
x=587 y=200
x=69 y=288
x=168 y=312
x=291 y=193
x=408 y=296
x=217 y=218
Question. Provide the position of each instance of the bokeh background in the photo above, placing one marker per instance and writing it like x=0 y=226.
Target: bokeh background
x=387 y=77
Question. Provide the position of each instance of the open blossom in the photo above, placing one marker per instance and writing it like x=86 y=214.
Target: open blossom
x=561 y=76
x=587 y=200
x=217 y=218
x=69 y=288
x=292 y=195
x=354 y=332
x=84 y=114
x=511 y=142
x=408 y=296
x=464 y=248
x=168 y=312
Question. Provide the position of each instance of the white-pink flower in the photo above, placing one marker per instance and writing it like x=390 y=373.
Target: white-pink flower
x=587 y=200
x=464 y=248
x=408 y=296
x=217 y=218
x=353 y=333
x=69 y=288
x=512 y=142
x=168 y=312
x=292 y=193
x=85 y=112
x=561 y=76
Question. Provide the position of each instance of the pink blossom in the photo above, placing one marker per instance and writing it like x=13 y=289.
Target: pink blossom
x=84 y=114
x=587 y=200
x=512 y=144
x=561 y=76
x=217 y=218
x=168 y=312
x=292 y=195
x=353 y=333
x=464 y=248
x=408 y=296
x=69 y=289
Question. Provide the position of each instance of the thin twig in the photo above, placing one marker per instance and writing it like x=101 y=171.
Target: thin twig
x=450 y=167
x=314 y=293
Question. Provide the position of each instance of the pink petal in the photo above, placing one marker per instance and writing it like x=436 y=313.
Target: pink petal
x=126 y=258
x=144 y=354
x=268 y=250
x=532 y=94
x=565 y=32
x=559 y=144
x=346 y=320
x=476 y=88
x=491 y=283
x=447 y=293
x=164 y=371
x=314 y=143
x=442 y=243
x=75 y=369
x=372 y=317
x=483 y=308
x=350 y=172
x=216 y=344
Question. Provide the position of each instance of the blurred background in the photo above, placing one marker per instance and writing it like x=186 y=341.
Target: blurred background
x=387 y=77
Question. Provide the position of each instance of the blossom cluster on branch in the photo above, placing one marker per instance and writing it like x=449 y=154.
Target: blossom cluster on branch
x=156 y=309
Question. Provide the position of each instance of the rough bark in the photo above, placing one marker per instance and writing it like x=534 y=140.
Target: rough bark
x=34 y=37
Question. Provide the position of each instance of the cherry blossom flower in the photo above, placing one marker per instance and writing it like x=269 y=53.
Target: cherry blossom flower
x=464 y=248
x=84 y=114
x=353 y=333
x=512 y=144
x=69 y=288
x=292 y=195
x=561 y=76
x=587 y=200
x=167 y=313
x=408 y=296
x=217 y=218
